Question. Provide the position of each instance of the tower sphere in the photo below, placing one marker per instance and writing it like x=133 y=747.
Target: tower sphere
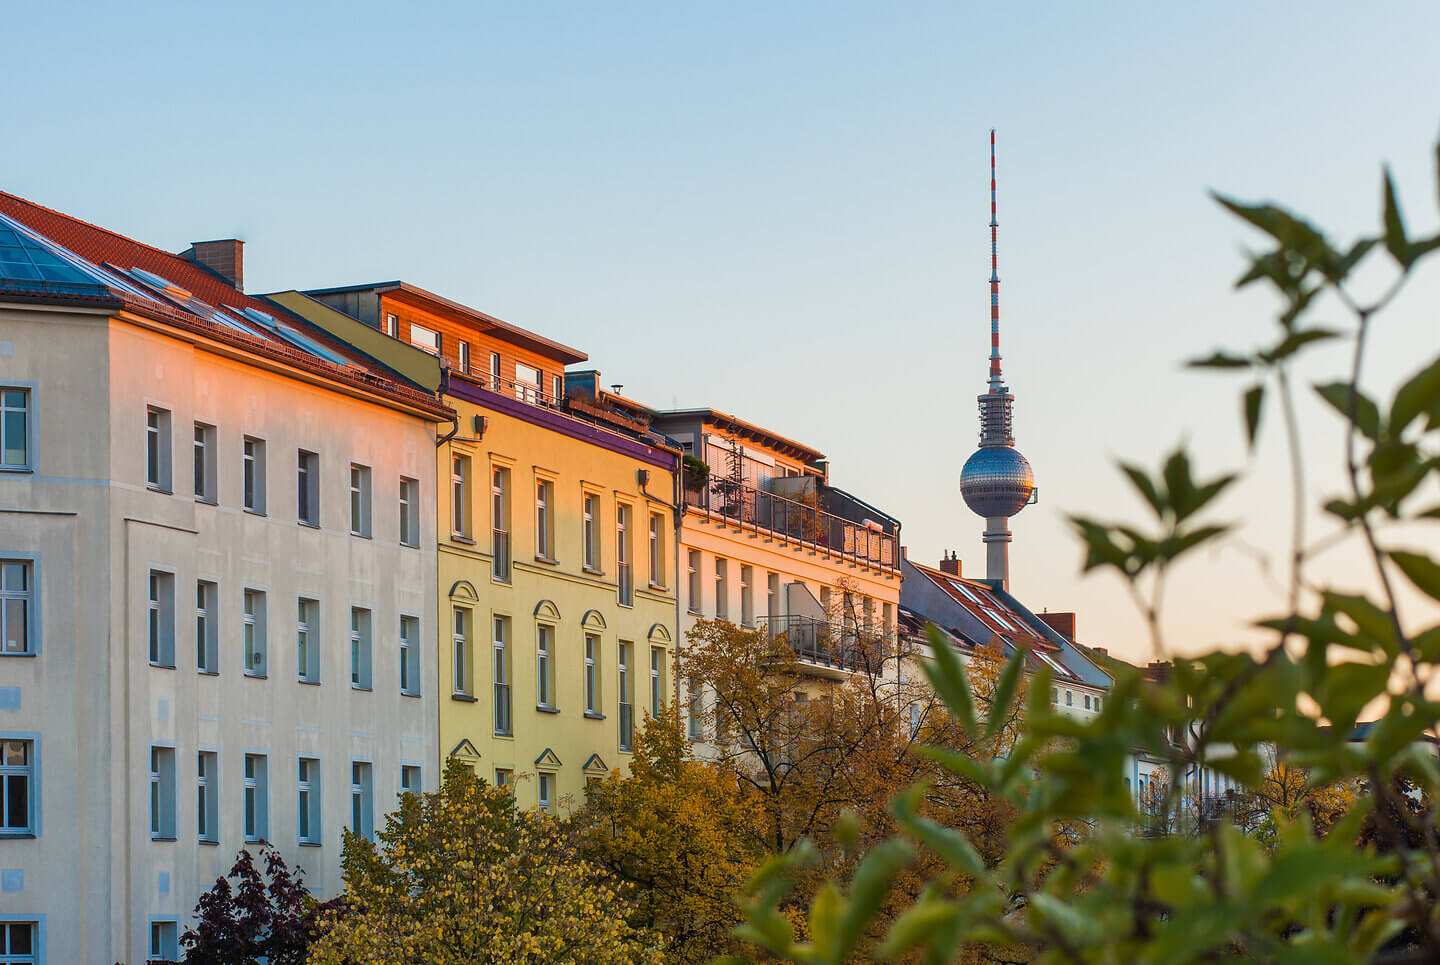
x=996 y=481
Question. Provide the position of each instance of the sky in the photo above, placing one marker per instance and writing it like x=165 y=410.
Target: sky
x=780 y=209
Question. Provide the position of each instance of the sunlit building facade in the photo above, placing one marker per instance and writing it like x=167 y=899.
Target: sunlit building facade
x=218 y=565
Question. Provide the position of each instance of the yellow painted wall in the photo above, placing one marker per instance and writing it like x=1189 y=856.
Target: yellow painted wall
x=559 y=592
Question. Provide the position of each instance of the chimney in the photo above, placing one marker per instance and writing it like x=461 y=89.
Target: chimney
x=950 y=563
x=225 y=258
x=1061 y=623
x=1102 y=651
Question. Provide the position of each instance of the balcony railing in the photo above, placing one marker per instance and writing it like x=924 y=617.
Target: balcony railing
x=819 y=642
x=806 y=524
x=521 y=391
x=627 y=725
x=500 y=554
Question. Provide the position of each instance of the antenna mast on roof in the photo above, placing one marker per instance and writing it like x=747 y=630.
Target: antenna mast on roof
x=996 y=385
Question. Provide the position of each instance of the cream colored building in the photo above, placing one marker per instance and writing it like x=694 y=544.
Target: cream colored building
x=219 y=564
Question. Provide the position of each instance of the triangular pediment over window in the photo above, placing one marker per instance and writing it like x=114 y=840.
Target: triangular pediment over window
x=547 y=759
x=595 y=765
x=465 y=751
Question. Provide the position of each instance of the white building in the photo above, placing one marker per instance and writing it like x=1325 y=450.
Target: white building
x=217 y=565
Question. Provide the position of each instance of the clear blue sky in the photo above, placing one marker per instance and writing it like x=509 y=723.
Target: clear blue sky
x=779 y=210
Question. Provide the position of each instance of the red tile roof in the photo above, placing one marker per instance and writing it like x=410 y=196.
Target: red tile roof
x=104 y=247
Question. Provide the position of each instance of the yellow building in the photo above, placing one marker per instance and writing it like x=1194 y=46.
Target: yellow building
x=556 y=534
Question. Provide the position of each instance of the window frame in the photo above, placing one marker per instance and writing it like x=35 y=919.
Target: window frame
x=392 y=325
x=164 y=940
x=307 y=488
x=504 y=719
x=657 y=681
x=462 y=654
x=160 y=618
x=252 y=475
x=207 y=627
x=254 y=642
x=162 y=792
x=27 y=427
x=624 y=573
x=362 y=648
x=592 y=674
x=622 y=691
x=544 y=791
x=158 y=444
x=545 y=519
x=460 y=512
x=464 y=356
x=309 y=806
x=207 y=795
x=362 y=798
x=361 y=516
x=410 y=656
x=657 y=551
x=589 y=531
x=544 y=666
x=425 y=345
x=30 y=771
x=255 y=802
x=500 y=524
x=695 y=603
x=307 y=622
x=409 y=512
x=406 y=767
x=207 y=489
x=28 y=599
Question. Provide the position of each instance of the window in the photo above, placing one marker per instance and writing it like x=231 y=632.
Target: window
x=504 y=777
x=460 y=496
x=14 y=428
x=592 y=674
x=1069 y=699
x=17 y=786
x=500 y=521
x=362 y=800
x=360 y=677
x=772 y=602
x=502 y=677
x=657 y=551
x=465 y=357
x=409 y=512
x=257 y=799
x=410 y=779
x=359 y=500
x=544 y=501
x=425 y=339
x=307 y=506
x=162 y=793
x=307 y=783
x=392 y=326
x=17 y=600
x=1097 y=703
x=695 y=720
x=527 y=382
x=207 y=644
x=657 y=681
x=547 y=787
x=205 y=480
x=544 y=667
x=207 y=796
x=307 y=642
x=254 y=633
x=622 y=690
x=591 y=550
x=462 y=651
x=164 y=937
x=695 y=601
x=722 y=588
x=624 y=581
x=1087 y=701
x=162 y=619
x=495 y=371
x=410 y=656
x=1055 y=695
x=157 y=449
x=887 y=619
x=747 y=597
x=254 y=473
x=557 y=387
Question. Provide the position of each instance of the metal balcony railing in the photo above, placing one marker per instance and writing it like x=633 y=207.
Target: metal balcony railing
x=819 y=642
x=500 y=554
x=523 y=391
x=806 y=524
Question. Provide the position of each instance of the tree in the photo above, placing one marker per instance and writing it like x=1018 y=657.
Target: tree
x=681 y=836
x=461 y=876
x=1366 y=891
x=254 y=921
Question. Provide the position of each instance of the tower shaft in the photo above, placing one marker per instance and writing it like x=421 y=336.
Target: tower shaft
x=996 y=384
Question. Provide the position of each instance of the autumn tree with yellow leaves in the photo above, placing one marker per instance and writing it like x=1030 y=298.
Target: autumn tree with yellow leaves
x=460 y=876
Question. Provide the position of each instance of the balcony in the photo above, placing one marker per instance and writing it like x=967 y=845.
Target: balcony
x=820 y=644
x=802 y=523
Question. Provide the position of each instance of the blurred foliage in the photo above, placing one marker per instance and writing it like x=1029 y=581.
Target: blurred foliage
x=1329 y=853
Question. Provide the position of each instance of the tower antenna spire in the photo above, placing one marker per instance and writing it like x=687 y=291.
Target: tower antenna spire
x=996 y=383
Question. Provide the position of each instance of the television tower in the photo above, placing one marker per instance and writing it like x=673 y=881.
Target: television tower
x=996 y=481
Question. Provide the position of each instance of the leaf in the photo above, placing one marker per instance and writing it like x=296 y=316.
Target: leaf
x=1146 y=486
x=1395 y=240
x=1220 y=360
x=867 y=890
x=1420 y=570
x=1341 y=398
x=1004 y=693
x=1068 y=920
x=916 y=926
x=950 y=844
x=1420 y=394
x=1295 y=341
x=1254 y=398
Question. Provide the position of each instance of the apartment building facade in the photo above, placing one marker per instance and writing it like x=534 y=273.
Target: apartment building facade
x=218 y=562
x=557 y=590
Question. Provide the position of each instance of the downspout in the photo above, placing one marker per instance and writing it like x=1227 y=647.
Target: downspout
x=440 y=394
x=643 y=477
